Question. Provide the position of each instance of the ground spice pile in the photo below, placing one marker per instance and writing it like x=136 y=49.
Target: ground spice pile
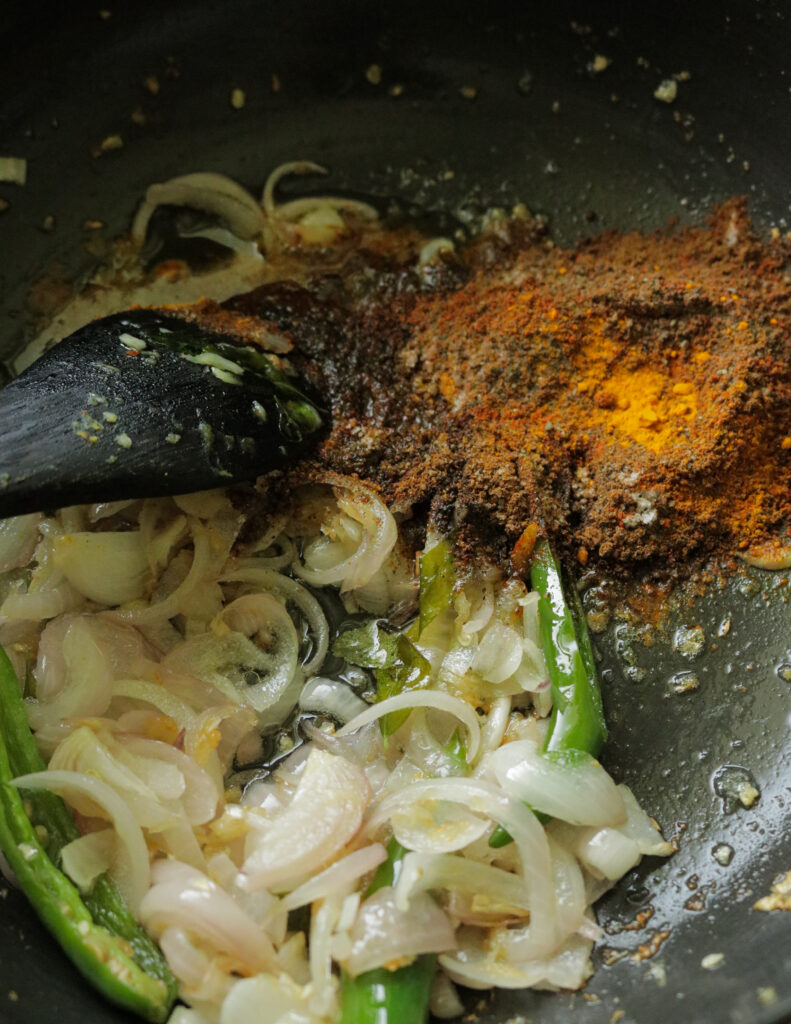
x=632 y=395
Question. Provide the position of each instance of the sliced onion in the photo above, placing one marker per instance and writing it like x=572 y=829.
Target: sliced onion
x=437 y=827
x=161 y=540
x=86 y=858
x=605 y=852
x=109 y=568
x=156 y=695
x=499 y=653
x=182 y=897
x=331 y=697
x=213 y=737
x=379 y=535
x=444 y=1001
x=323 y=922
x=171 y=605
x=570 y=901
x=423 y=699
x=641 y=828
x=485 y=798
x=272 y=533
x=36 y=605
x=313 y=220
x=18 y=538
x=337 y=877
x=496 y=892
x=570 y=968
x=200 y=796
x=571 y=786
x=105 y=509
x=265 y=1000
x=183 y=1014
x=249 y=571
x=324 y=815
x=261 y=618
x=82 y=752
x=384 y=934
x=475 y=968
x=772 y=554
x=79 y=672
x=212 y=193
x=481 y=616
x=428 y=755
x=213 y=504
x=131 y=871
x=493 y=729
x=191 y=966
x=478 y=965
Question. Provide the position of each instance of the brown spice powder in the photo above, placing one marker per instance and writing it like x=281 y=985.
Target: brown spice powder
x=632 y=395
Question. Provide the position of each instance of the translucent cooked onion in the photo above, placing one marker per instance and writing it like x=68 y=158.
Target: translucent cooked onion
x=83 y=752
x=157 y=696
x=248 y=571
x=262 y=620
x=313 y=220
x=605 y=852
x=214 y=735
x=480 y=616
x=37 y=605
x=640 y=828
x=336 y=877
x=266 y=1000
x=324 y=920
x=475 y=968
x=182 y=897
x=201 y=977
x=324 y=814
x=485 y=798
x=212 y=193
x=109 y=568
x=198 y=794
x=480 y=966
x=435 y=699
x=499 y=653
x=249 y=656
x=383 y=933
x=74 y=672
x=570 y=968
x=444 y=1001
x=774 y=554
x=18 y=538
x=331 y=697
x=379 y=534
x=493 y=729
x=437 y=827
x=93 y=796
x=425 y=751
x=570 y=901
x=86 y=858
x=495 y=891
x=571 y=786
x=170 y=605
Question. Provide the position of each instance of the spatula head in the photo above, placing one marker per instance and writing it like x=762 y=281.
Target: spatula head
x=145 y=403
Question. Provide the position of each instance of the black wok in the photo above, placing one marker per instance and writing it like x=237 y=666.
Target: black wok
x=500 y=102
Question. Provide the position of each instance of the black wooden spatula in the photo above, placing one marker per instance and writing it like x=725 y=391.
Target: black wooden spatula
x=142 y=404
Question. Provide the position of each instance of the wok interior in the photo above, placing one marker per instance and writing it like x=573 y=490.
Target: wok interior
x=497 y=106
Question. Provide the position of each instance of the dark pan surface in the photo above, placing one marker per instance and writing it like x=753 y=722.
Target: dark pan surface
x=590 y=150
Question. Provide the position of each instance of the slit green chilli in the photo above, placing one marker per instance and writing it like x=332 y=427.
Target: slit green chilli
x=95 y=930
x=577 y=721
